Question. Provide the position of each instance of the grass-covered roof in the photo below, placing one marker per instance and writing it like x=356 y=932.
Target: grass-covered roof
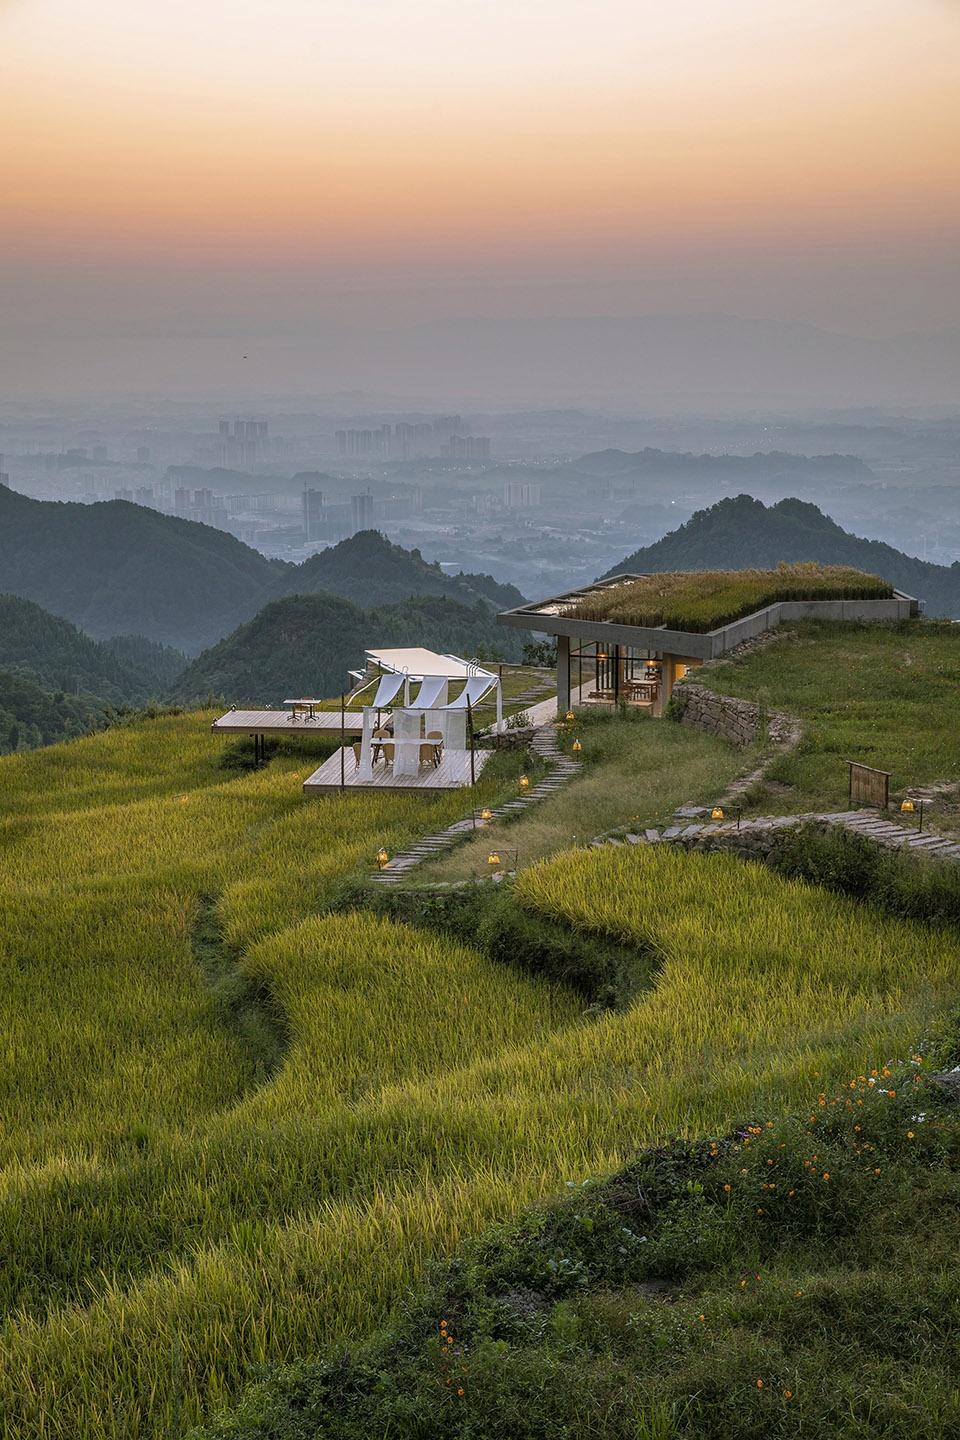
x=706 y=599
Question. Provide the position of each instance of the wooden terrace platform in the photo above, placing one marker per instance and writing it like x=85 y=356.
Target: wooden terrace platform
x=453 y=773
x=282 y=722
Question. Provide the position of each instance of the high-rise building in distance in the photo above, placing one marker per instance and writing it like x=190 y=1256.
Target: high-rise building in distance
x=362 y=511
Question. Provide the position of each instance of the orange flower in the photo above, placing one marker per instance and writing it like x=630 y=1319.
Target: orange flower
x=759 y=1384
x=727 y=1188
x=788 y=1394
x=826 y=1174
x=891 y=1093
x=702 y=1318
x=461 y=1391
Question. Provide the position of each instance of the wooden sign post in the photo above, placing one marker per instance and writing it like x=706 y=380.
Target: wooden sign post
x=868 y=786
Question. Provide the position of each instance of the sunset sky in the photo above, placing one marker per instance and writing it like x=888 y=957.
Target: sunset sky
x=182 y=168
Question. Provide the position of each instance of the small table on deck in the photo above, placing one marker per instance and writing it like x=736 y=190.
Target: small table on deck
x=306 y=706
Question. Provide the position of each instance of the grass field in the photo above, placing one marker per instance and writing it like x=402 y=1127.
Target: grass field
x=884 y=695
x=172 y=1213
x=707 y=599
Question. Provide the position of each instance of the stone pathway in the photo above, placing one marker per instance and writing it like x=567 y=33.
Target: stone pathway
x=751 y=834
x=562 y=769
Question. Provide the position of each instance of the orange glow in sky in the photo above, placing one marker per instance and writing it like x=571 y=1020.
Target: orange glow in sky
x=482 y=142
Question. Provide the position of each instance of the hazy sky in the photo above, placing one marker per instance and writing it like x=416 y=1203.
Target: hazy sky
x=188 y=180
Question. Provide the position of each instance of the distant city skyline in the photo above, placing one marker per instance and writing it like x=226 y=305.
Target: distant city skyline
x=277 y=199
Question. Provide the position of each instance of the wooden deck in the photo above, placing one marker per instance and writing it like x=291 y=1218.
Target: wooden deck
x=452 y=773
x=281 y=722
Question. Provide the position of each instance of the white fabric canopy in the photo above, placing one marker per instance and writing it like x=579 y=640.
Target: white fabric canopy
x=388 y=687
x=473 y=691
x=432 y=692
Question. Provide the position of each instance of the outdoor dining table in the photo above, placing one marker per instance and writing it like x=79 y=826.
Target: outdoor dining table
x=308 y=705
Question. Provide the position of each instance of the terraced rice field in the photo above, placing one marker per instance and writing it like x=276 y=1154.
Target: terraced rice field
x=174 y=1211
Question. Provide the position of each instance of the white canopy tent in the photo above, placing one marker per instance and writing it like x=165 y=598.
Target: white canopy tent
x=430 y=711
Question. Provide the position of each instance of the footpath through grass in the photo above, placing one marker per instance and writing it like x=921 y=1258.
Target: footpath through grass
x=636 y=772
x=885 y=695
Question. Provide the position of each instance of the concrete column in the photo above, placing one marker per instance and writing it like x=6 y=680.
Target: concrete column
x=668 y=671
x=563 y=674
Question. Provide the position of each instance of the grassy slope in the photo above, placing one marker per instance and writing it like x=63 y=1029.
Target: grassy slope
x=770 y=991
x=135 y=1139
x=637 y=771
x=883 y=695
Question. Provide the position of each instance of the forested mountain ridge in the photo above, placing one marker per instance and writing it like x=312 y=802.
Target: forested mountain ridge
x=116 y=568
x=741 y=532
x=305 y=644
x=369 y=569
x=58 y=655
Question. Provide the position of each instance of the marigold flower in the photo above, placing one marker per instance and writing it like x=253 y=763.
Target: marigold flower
x=826 y=1174
x=727 y=1188
x=910 y=1135
x=461 y=1391
x=891 y=1093
x=759 y=1384
x=788 y=1394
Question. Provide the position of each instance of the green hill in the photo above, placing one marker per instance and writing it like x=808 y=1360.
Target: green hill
x=58 y=656
x=305 y=644
x=119 y=569
x=116 y=568
x=368 y=569
x=742 y=533
x=32 y=716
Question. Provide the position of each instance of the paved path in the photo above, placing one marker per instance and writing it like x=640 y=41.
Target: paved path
x=869 y=823
x=544 y=746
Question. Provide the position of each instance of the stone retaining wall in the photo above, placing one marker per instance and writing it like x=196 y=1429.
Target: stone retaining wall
x=740 y=722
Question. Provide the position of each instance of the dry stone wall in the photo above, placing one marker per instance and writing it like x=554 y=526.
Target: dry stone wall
x=740 y=722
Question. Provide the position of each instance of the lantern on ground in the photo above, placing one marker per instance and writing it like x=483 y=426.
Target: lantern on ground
x=716 y=813
x=576 y=747
x=486 y=814
x=524 y=782
x=907 y=807
x=383 y=859
x=493 y=859
x=569 y=717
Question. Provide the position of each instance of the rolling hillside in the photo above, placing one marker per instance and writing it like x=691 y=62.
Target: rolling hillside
x=119 y=569
x=742 y=533
x=305 y=644
x=116 y=568
x=368 y=569
x=58 y=656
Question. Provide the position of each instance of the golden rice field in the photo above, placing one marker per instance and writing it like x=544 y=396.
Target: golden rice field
x=170 y=1217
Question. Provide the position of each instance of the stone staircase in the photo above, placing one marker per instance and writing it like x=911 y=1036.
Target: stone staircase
x=758 y=834
x=562 y=769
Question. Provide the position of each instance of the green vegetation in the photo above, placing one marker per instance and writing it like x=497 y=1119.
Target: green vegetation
x=652 y=1303
x=369 y=570
x=177 y=1207
x=636 y=772
x=31 y=716
x=116 y=568
x=884 y=695
x=793 y=1278
x=742 y=533
x=124 y=670
x=710 y=598
x=305 y=645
